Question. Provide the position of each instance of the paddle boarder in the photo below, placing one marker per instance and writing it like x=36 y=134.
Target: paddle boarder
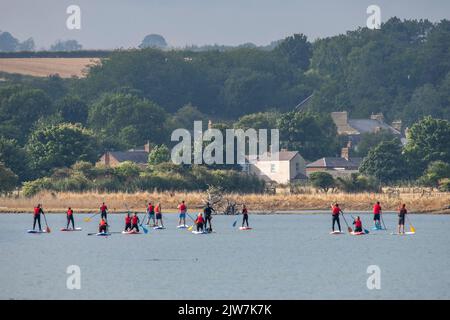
x=377 y=215
x=244 y=215
x=358 y=224
x=135 y=222
x=104 y=211
x=401 y=218
x=127 y=222
x=102 y=226
x=37 y=216
x=182 y=209
x=70 y=218
x=207 y=211
x=199 y=222
x=151 y=214
x=158 y=215
x=335 y=211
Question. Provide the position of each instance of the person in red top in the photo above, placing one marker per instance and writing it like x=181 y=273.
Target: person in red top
x=103 y=226
x=151 y=214
x=199 y=222
x=244 y=215
x=158 y=215
x=104 y=211
x=377 y=214
x=182 y=208
x=335 y=211
x=127 y=222
x=70 y=218
x=358 y=224
x=135 y=222
x=37 y=216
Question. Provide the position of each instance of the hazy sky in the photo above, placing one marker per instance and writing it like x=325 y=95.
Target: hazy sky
x=109 y=24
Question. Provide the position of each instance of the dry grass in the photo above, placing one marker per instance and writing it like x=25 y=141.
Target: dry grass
x=89 y=202
x=43 y=67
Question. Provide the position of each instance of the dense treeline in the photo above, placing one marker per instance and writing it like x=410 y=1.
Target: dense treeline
x=402 y=70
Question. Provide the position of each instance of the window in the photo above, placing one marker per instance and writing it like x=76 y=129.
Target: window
x=273 y=168
x=297 y=167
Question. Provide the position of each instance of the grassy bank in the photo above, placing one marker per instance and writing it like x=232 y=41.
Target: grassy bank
x=89 y=202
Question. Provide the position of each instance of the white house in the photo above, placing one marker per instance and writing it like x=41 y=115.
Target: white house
x=289 y=167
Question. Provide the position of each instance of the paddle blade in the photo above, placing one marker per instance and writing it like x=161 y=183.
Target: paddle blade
x=87 y=219
x=350 y=230
x=412 y=229
x=366 y=231
x=48 y=230
x=145 y=229
x=190 y=228
x=234 y=223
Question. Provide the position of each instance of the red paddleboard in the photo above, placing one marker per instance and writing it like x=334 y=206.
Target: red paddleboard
x=130 y=232
x=245 y=228
x=357 y=233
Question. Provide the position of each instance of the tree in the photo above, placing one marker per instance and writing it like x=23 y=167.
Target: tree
x=66 y=45
x=370 y=140
x=8 y=180
x=153 y=41
x=313 y=135
x=435 y=172
x=322 y=180
x=7 y=42
x=428 y=141
x=60 y=146
x=297 y=50
x=27 y=45
x=260 y=120
x=127 y=120
x=73 y=109
x=159 y=154
x=185 y=117
x=385 y=162
x=14 y=157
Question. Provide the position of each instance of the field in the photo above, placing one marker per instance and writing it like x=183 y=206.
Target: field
x=89 y=202
x=43 y=67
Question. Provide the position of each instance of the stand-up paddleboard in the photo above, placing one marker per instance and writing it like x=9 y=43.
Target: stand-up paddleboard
x=336 y=232
x=199 y=232
x=70 y=229
x=158 y=228
x=36 y=231
x=378 y=229
x=402 y=234
x=103 y=234
x=245 y=228
x=182 y=226
x=131 y=232
x=361 y=233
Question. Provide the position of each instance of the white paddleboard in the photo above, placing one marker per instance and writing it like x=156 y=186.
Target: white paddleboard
x=336 y=232
x=158 y=228
x=76 y=229
x=36 y=231
x=131 y=232
x=182 y=226
x=199 y=232
x=103 y=234
x=403 y=234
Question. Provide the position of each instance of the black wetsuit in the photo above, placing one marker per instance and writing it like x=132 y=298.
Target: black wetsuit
x=336 y=219
x=244 y=217
x=207 y=212
x=401 y=216
x=69 y=220
x=37 y=218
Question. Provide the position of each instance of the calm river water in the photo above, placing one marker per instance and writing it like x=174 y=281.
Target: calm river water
x=283 y=257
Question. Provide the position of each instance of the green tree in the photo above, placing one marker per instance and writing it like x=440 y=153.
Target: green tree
x=159 y=154
x=8 y=180
x=371 y=140
x=60 y=146
x=428 y=141
x=73 y=109
x=260 y=120
x=322 y=180
x=127 y=121
x=313 y=135
x=297 y=50
x=14 y=157
x=435 y=172
x=385 y=162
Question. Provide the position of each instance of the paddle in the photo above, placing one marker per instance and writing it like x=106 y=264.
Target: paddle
x=235 y=221
x=411 y=228
x=45 y=219
x=144 y=228
x=88 y=219
x=382 y=220
x=191 y=227
x=350 y=230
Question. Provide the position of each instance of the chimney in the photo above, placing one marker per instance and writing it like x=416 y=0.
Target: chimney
x=397 y=125
x=147 y=146
x=107 y=159
x=345 y=153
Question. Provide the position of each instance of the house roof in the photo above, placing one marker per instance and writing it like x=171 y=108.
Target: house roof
x=134 y=156
x=370 y=125
x=330 y=162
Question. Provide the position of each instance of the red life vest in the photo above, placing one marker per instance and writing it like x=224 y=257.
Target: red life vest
x=150 y=208
x=157 y=209
x=182 y=207
x=103 y=208
x=358 y=224
x=134 y=220
x=336 y=211
x=69 y=212
x=102 y=223
x=200 y=219
x=244 y=211
x=127 y=220
x=37 y=211
x=376 y=209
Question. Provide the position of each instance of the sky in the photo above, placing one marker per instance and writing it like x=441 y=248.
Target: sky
x=109 y=24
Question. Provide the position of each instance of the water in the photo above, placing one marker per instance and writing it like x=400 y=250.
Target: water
x=284 y=257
